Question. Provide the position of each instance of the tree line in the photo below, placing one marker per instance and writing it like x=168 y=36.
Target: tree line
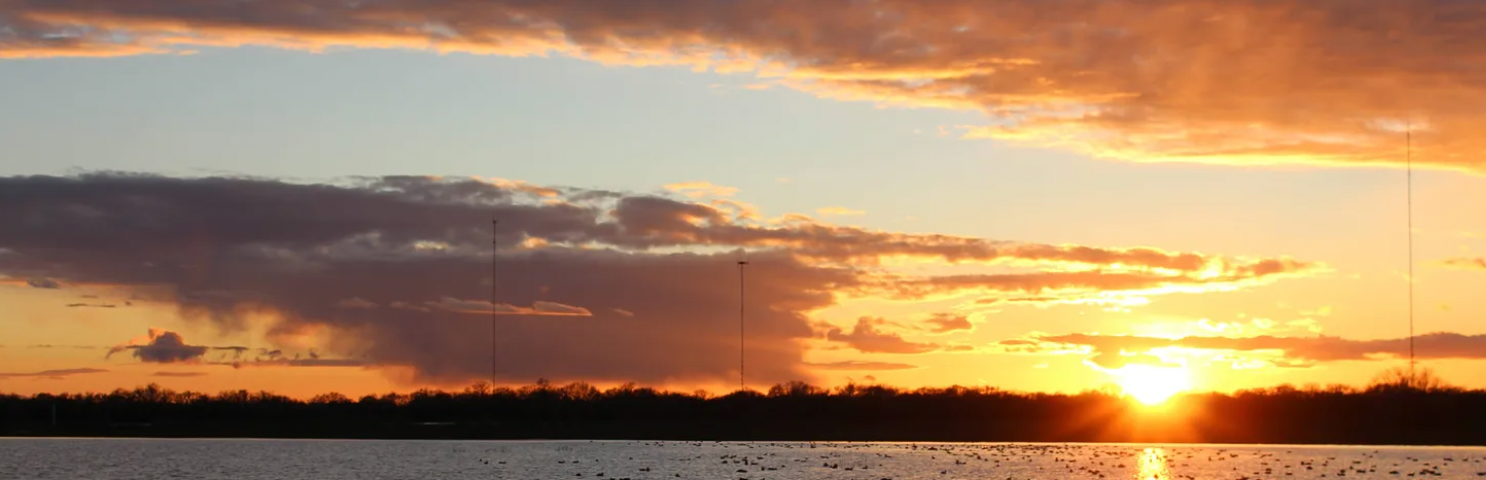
x=1399 y=408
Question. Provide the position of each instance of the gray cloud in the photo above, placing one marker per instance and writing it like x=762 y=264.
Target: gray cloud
x=44 y=283
x=407 y=215
x=163 y=347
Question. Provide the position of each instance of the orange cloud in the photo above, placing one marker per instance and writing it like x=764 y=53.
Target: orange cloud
x=948 y=322
x=1217 y=81
x=866 y=338
x=838 y=211
x=701 y=189
x=1113 y=351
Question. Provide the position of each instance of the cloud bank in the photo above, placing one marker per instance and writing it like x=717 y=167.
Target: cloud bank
x=593 y=285
x=1220 y=81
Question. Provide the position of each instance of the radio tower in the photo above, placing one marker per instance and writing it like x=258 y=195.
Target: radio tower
x=1408 y=135
x=742 y=385
x=495 y=256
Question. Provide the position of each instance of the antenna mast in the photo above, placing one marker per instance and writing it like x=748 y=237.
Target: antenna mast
x=495 y=256
x=742 y=385
x=1408 y=135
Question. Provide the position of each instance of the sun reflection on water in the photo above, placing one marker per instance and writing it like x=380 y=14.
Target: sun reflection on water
x=1153 y=465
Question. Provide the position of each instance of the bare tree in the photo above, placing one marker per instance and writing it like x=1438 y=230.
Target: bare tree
x=480 y=388
x=1418 y=379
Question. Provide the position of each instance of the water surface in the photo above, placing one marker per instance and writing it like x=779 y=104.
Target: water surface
x=83 y=459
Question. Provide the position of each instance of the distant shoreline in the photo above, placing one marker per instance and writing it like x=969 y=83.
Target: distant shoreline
x=1379 y=416
x=615 y=433
x=5 y=437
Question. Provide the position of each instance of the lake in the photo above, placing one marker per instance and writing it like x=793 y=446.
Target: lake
x=118 y=459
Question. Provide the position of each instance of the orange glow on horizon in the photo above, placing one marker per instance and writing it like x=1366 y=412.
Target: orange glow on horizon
x=1152 y=385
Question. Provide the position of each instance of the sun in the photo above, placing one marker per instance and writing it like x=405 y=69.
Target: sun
x=1152 y=385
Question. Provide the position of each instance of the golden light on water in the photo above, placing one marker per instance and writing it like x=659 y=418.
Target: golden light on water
x=1153 y=465
x=1152 y=385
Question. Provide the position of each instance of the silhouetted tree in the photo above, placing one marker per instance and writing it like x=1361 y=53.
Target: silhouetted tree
x=1428 y=411
x=331 y=397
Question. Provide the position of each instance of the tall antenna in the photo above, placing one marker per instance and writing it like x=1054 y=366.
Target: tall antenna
x=495 y=256
x=741 y=338
x=1408 y=136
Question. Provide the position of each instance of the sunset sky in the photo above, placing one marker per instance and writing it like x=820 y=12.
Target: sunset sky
x=1037 y=195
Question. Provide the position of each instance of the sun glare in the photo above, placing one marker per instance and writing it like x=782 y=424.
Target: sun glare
x=1152 y=385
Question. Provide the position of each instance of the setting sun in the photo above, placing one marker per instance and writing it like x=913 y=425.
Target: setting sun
x=1152 y=385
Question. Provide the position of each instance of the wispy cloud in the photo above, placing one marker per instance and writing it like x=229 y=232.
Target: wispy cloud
x=75 y=347
x=91 y=305
x=838 y=211
x=299 y=362
x=551 y=309
x=1094 y=285
x=1466 y=263
x=1114 y=351
x=855 y=365
x=179 y=374
x=53 y=374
